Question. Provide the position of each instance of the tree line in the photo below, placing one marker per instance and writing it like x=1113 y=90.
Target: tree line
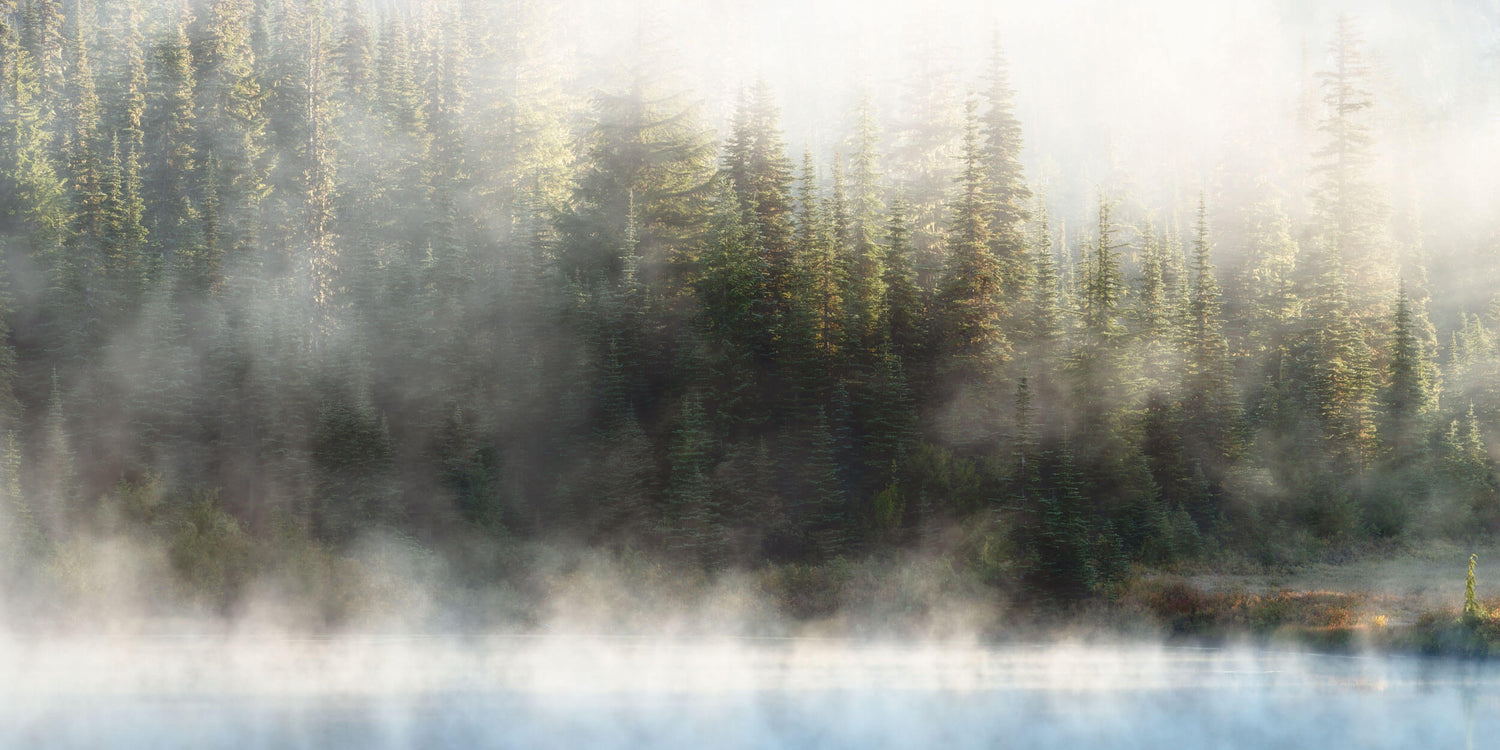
x=343 y=268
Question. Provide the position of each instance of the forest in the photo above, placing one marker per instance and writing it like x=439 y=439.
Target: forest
x=280 y=275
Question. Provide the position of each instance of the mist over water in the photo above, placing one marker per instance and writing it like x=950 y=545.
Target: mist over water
x=562 y=692
x=455 y=373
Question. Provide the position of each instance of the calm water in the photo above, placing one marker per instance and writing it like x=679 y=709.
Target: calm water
x=615 y=693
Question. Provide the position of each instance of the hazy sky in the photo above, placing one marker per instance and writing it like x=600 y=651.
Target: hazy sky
x=1162 y=90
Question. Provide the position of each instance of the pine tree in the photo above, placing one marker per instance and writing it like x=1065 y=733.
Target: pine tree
x=866 y=206
x=971 y=301
x=125 y=241
x=1353 y=215
x=865 y=295
x=1046 y=322
x=646 y=151
x=1154 y=317
x=1025 y=448
x=731 y=290
x=56 y=473
x=822 y=273
x=399 y=92
x=33 y=198
x=886 y=410
x=1101 y=292
x=170 y=178
x=10 y=405
x=231 y=124
x=827 y=511
x=925 y=155
x=1153 y=310
x=1269 y=286
x=79 y=270
x=1338 y=363
x=20 y=529
x=1103 y=285
x=1473 y=614
x=905 y=323
x=758 y=169
x=42 y=34
x=124 y=56
x=1062 y=565
x=1010 y=197
x=1406 y=398
x=1209 y=401
x=354 y=51
x=689 y=517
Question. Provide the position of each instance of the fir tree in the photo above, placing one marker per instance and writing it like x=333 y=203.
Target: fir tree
x=689 y=518
x=1353 y=215
x=1209 y=400
x=865 y=295
x=1010 y=197
x=170 y=178
x=905 y=323
x=758 y=169
x=1102 y=288
x=971 y=302
x=822 y=273
x=1406 y=398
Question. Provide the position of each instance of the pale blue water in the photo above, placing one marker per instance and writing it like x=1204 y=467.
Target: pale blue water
x=390 y=695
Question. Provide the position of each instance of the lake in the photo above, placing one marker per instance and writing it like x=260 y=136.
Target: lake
x=594 y=692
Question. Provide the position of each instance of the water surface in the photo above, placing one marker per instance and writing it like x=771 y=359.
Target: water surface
x=615 y=693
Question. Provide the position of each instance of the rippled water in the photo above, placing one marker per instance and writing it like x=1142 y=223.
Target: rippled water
x=615 y=693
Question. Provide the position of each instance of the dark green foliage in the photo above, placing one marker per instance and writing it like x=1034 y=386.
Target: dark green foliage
x=390 y=272
x=972 y=301
x=471 y=472
x=1407 y=399
x=352 y=455
x=210 y=551
x=757 y=168
x=689 y=520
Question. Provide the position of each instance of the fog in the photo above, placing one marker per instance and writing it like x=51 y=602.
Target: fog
x=614 y=692
x=1158 y=91
x=410 y=373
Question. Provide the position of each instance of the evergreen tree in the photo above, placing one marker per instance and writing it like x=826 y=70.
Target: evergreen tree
x=1101 y=291
x=689 y=517
x=79 y=270
x=1337 y=363
x=757 y=168
x=54 y=482
x=231 y=131
x=905 y=323
x=1025 y=448
x=925 y=155
x=1102 y=287
x=1209 y=400
x=1155 y=317
x=33 y=201
x=731 y=289
x=822 y=273
x=1353 y=215
x=826 y=511
x=1046 y=317
x=170 y=164
x=1010 y=197
x=1407 y=397
x=646 y=153
x=42 y=24
x=125 y=242
x=865 y=295
x=1269 y=286
x=972 y=302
